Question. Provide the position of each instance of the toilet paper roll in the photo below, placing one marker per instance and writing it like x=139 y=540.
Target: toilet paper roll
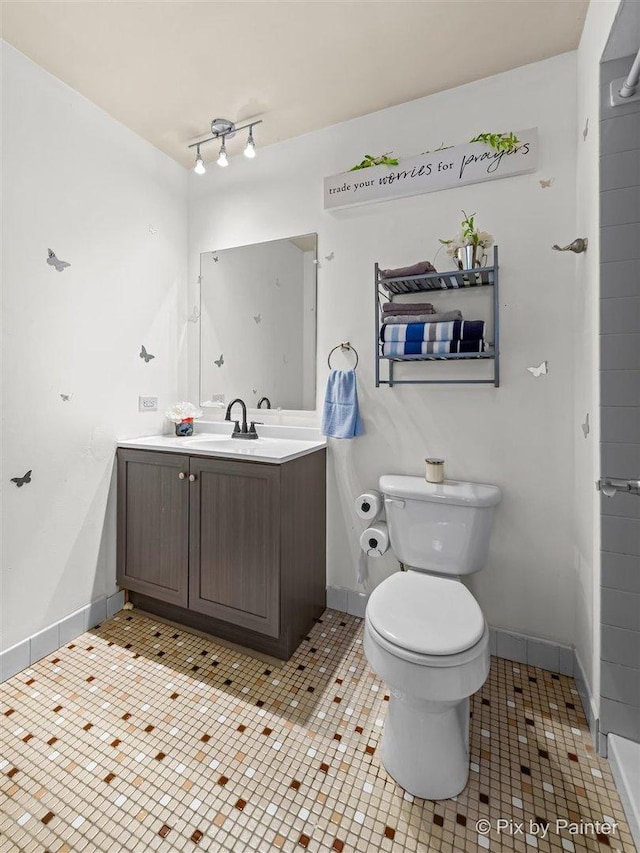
x=369 y=504
x=363 y=568
x=375 y=540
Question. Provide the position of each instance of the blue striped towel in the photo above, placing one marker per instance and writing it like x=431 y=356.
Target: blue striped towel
x=398 y=348
x=455 y=330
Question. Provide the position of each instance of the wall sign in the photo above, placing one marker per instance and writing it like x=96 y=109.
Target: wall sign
x=458 y=166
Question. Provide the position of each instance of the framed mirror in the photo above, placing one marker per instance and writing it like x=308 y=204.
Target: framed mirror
x=258 y=324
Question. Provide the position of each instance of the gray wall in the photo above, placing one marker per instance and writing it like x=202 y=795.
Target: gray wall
x=620 y=406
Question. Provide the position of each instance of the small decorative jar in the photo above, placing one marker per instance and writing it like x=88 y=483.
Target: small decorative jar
x=471 y=257
x=434 y=470
x=185 y=427
x=182 y=415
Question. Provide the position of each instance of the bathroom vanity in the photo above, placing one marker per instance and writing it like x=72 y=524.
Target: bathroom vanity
x=226 y=536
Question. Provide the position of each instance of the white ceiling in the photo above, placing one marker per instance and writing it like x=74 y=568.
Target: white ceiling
x=165 y=68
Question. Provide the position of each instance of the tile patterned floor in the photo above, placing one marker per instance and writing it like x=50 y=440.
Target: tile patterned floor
x=140 y=736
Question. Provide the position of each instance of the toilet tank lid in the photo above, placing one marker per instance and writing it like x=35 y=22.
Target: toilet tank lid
x=453 y=492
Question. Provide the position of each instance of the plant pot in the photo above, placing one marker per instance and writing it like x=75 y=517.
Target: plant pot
x=185 y=427
x=471 y=257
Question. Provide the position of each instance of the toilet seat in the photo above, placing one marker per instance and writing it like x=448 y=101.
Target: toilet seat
x=425 y=615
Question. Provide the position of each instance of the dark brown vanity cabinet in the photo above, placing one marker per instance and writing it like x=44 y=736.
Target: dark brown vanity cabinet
x=153 y=524
x=234 y=543
x=233 y=548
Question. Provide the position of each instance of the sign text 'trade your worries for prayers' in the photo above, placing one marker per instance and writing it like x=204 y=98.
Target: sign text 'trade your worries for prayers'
x=438 y=170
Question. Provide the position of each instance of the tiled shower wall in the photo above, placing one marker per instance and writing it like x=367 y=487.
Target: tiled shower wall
x=620 y=406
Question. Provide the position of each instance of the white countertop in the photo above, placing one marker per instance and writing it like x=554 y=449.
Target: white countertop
x=276 y=444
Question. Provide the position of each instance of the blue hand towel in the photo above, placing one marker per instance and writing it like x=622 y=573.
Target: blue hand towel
x=340 y=414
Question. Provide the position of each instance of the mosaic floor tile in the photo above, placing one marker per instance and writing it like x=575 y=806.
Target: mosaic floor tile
x=143 y=736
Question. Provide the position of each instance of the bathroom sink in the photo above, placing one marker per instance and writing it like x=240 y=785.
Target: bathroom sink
x=280 y=445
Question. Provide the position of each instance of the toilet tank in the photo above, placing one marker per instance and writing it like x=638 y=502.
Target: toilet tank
x=442 y=528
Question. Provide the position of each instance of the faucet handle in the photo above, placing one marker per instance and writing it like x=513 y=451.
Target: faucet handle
x=236 y=427
x=252 y=428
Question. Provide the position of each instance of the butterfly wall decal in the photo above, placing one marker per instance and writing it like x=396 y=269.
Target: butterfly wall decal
x=585 y=132
x=215 y=259
x=146 y=355
x=544 y=184
x=194 y=316
x=257 y=318
x=586 y=428
x=541 y=370
x=219 y=361
x=55 y=262
x=152 y=230
x=20 y=481
x=330 y=256
x=65 y=397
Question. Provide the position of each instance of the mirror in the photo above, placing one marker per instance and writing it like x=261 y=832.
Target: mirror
x=258 y=324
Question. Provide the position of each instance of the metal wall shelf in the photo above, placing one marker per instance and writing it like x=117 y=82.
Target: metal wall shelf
x=433 y=283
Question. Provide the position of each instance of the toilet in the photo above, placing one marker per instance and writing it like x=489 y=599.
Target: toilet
x=425 y=635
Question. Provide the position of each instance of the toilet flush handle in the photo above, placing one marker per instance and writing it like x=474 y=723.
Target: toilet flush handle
x=395 y=501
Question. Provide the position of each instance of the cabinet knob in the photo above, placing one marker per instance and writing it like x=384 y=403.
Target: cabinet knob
x=181 y=475
x=192 y=478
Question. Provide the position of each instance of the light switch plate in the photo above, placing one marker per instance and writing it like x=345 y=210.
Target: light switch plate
x=147 y=404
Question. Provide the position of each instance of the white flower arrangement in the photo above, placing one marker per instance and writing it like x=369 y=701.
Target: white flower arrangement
x=484 y=239
x=469 y=236
x=183 y=411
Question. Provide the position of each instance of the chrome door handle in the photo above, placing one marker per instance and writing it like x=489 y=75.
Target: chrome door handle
x=609 y=486
x=181 y=475
x=192 y=478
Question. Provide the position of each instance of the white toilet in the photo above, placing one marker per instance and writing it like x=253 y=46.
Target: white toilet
x=425 y=634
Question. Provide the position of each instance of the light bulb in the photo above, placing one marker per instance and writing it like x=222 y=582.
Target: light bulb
x=250 y=150
x=199 y=168
x=222 y=158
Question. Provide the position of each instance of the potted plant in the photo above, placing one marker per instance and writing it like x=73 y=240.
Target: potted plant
x=183 y=415
x=468 y=247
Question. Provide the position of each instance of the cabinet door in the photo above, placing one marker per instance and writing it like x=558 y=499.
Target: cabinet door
x=153 y=524
x=234 y=562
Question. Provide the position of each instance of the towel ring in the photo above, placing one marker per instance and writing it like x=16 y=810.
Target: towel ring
x=344 y=346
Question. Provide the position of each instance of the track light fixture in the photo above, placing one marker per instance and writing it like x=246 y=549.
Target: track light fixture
x=222 y=157
x=199 y=168
x=223 y=129
x=250 y=150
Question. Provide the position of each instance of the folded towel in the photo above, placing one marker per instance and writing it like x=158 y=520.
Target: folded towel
x=445 y=317
x=398 y=348
x=341 y=414
x=420 y=268
x=408 y=308
x=456 y=330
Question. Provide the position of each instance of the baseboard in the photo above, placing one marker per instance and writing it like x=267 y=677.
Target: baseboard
x=624 y=757
x=34 y=648
x=589 y=706
x=347 y=600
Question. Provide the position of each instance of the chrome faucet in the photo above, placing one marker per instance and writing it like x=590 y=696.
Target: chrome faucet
x=264 y=400
x=241 y=431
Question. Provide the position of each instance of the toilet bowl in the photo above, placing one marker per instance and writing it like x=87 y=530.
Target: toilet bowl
x=425 y=634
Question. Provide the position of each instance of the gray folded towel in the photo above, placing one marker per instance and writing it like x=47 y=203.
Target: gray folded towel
x=444 y=317
x=408 y=308
x=420 y=268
